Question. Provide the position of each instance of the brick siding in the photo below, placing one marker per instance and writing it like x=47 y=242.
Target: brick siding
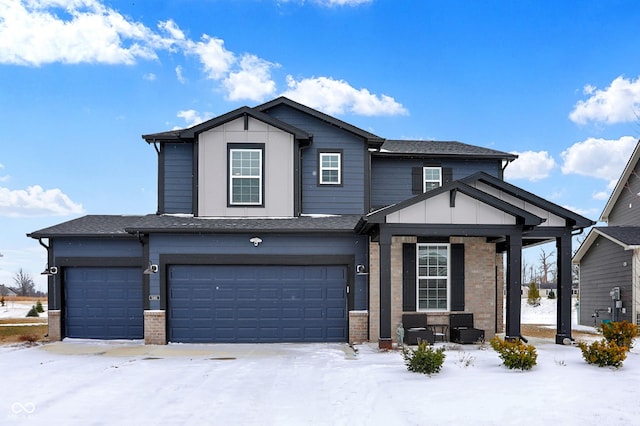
x=155 y=330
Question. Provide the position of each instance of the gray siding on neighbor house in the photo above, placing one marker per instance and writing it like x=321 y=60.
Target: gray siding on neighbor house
x=348 y=198
x=600 y=270
x=391 y=177
x=272 y=245
x=626 y=211
x=177 y=173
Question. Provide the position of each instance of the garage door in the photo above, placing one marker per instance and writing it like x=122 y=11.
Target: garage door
x=262 y=303
x=103 y=303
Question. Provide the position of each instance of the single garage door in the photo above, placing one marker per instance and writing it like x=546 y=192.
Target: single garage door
x=257 y=303
x=103 y=303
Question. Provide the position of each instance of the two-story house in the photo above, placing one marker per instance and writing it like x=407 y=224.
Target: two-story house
x=609 y=257
x=279 y=223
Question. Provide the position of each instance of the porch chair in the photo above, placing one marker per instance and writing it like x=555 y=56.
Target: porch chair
x=415 y=329
x=461 y=329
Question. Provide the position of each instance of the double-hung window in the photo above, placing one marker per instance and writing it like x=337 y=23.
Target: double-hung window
x=330 y=172
x=433 y=277
x=432 y=178
x=245 y=176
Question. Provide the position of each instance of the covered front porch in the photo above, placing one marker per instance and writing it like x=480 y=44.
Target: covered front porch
x=483 y=223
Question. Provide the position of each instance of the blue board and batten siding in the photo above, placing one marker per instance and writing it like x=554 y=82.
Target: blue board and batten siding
x=347 y=198
x=176 y=190
x=391 y=179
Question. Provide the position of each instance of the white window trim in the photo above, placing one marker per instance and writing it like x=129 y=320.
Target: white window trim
x=338 y=169
x=424 y=179
x=419 y=277
x=232 y=177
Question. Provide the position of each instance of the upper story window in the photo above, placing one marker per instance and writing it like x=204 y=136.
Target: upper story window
x=330 y=172
x=432 y=178
x=245 y=175
x=433 y=277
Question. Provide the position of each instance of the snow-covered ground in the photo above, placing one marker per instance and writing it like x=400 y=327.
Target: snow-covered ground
x=19 y=309
x=127 y=383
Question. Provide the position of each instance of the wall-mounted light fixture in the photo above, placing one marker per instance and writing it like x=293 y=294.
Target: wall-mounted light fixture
x=256 y=241
x=361 y=270
x=50 y=270
x=152 y=269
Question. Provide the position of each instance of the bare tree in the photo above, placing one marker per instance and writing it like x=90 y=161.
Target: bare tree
x=546 y=266
x=24 y=284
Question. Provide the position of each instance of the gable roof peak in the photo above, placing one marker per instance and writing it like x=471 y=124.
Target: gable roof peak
x=621 y=184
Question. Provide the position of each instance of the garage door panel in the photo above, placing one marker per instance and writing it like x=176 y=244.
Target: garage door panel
x=258 y=303
x=103 y=303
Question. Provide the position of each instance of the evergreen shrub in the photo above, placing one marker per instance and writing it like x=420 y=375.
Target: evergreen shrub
x=621 y=332
x=33 y=312
x=425 y=359
x=39 y=307
x=603 y=353
x=515 y=355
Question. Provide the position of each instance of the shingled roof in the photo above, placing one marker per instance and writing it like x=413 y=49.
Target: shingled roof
x=440 y=149
x=125 y=226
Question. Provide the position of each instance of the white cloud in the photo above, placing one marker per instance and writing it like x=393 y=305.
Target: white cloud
x=35 y=201
x=193 y=117
x=530 y=165
x=179 y=75
x=34 y=33
x=600 y=195
x=214 y=57
x=253 y=81
x=618 y=103
x=599 y=158
x=338 y=96
x=149 y=76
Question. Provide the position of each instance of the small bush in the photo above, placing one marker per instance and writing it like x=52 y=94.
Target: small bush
x=603 y=353
x=515 y=355
x=534 y=294
x=2 y=301
x=621 y=332
x=552 y=294
x=425 y=359
x=33 y=312
x=39 y=307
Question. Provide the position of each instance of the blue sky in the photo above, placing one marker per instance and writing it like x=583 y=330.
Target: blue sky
x=81 y=80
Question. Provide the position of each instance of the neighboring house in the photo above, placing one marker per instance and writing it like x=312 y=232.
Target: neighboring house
x=280 y=223
x=6 y=291
x=609 y=257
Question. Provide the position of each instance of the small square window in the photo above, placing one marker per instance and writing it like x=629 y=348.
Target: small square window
x=330 y=172
x=432 y=177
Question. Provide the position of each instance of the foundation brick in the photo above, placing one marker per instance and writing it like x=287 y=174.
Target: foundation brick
x=55 y=326
x=358 y=327
x=155 y=328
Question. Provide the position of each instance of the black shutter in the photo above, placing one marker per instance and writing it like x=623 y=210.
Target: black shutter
x=408 y=277
x=447 y=175
x=417 y=180
x=457 y=277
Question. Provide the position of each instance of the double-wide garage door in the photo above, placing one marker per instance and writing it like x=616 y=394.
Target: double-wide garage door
x=103 y=303
x=257 y=303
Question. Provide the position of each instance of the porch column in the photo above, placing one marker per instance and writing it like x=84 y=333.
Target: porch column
x=385 y=341
x=514 y=273
x=563 y=327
